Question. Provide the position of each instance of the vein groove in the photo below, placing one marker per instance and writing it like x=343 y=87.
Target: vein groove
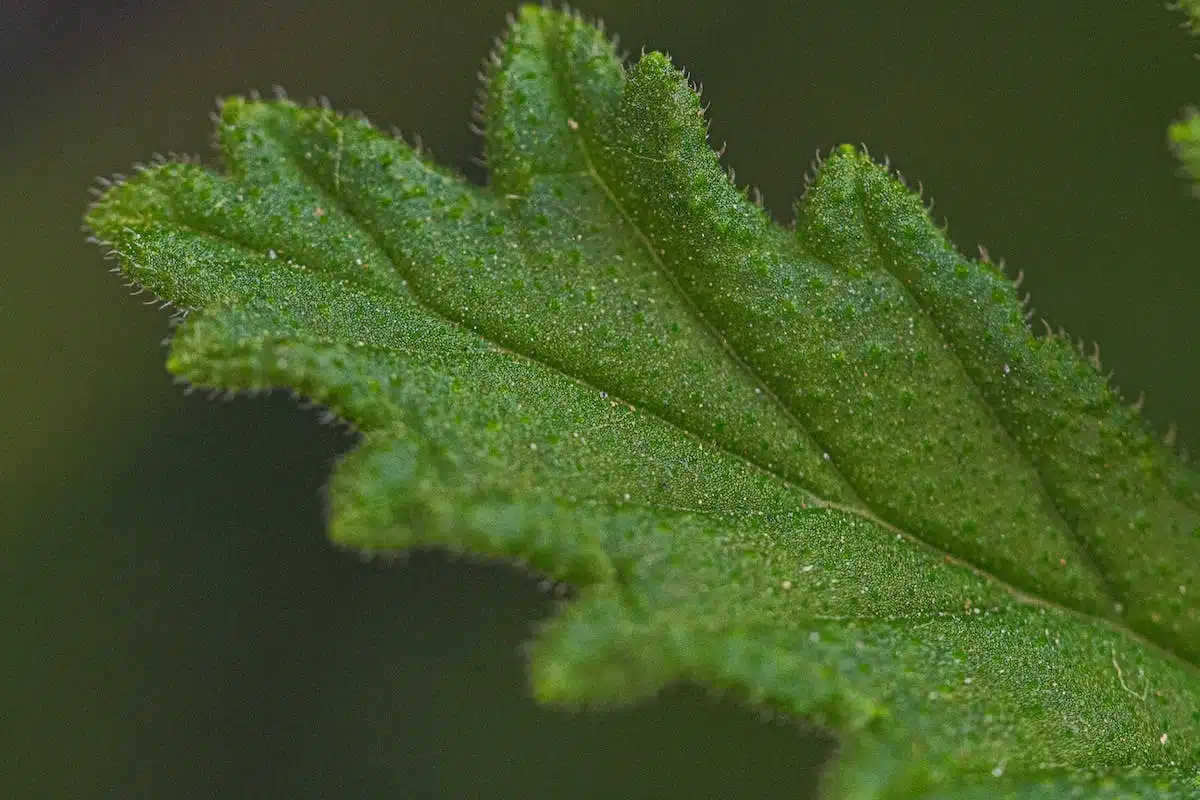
x=689 y=302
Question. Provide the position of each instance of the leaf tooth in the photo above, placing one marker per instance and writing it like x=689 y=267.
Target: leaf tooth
x=398 y=491
x=550 y=68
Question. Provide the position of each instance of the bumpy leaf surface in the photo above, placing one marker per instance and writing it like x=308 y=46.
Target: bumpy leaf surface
x=829 y=469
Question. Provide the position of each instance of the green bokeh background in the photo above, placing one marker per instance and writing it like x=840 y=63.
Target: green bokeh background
x=172 y=621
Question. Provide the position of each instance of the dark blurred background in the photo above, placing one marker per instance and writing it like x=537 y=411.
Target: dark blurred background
x=172 y=620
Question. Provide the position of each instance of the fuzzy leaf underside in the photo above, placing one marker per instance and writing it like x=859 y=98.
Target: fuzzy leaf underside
x=829 y=469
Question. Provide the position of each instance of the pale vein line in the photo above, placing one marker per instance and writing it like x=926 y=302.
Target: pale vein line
x=697 y=313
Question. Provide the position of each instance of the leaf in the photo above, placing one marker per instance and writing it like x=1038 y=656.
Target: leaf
x=1184 y=134
x=828 y=469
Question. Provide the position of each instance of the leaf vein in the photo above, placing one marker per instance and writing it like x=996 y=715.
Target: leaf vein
x=689 y=302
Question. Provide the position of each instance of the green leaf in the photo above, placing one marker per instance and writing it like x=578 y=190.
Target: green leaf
x=1184 y=134
x=829 y=469
x=1185 y=139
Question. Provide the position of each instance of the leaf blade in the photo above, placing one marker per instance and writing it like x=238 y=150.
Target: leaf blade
x=614 y=367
